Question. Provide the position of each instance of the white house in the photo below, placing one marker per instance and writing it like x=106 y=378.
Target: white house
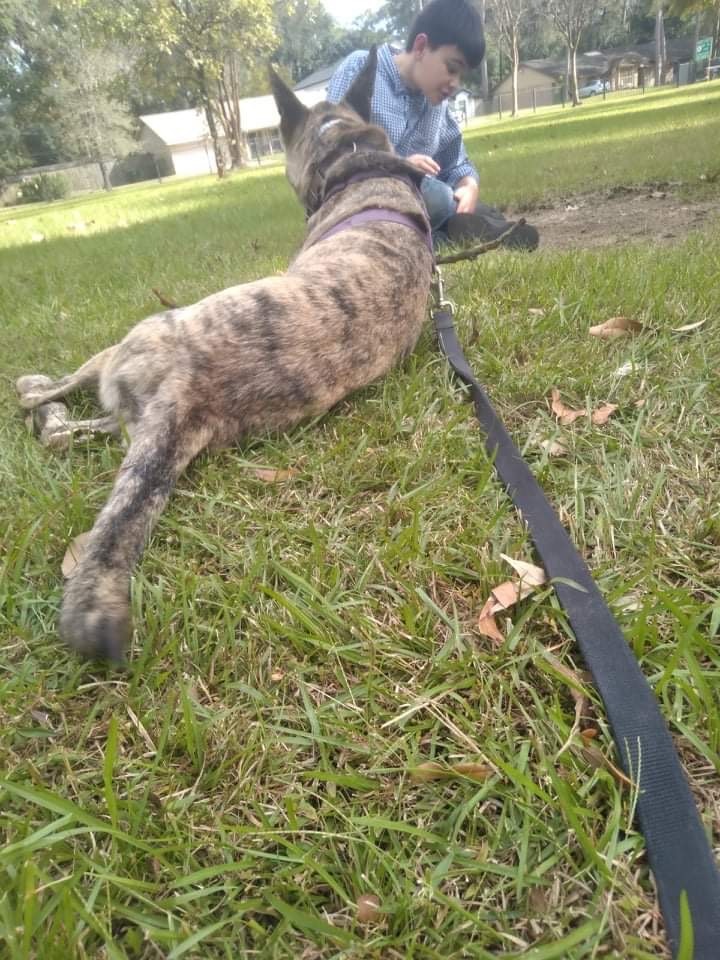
x=180 y=139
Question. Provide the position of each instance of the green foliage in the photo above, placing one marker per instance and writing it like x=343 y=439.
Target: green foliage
x=43 y=186
x=303 y=645
x=12 y=154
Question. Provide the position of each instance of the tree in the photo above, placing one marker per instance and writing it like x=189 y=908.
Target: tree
x=572 y=17
x=395 y=16
x=510 y=17
x=203 y=40
x=705 y=12
x=12 y=153
x=306 y=36
x=93 y=125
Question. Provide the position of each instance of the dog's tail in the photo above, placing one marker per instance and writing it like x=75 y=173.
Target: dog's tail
x=95 y=616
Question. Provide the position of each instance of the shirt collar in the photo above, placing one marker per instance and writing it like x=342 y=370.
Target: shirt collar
x=386 y=54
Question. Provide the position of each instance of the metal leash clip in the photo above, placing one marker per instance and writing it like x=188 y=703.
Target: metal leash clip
x=438 y=290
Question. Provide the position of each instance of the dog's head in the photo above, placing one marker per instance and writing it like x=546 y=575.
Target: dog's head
x=315 y=137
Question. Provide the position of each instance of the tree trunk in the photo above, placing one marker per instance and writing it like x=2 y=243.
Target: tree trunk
x=573 y=67
x=515 y=70
x=484 y=83
x=105 y=177
x=210 y=117
x=659 y=47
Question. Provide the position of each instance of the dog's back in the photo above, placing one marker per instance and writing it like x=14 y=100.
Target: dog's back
x=256 y=357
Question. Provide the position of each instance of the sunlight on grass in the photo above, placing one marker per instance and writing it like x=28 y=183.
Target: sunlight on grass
x=303 y=646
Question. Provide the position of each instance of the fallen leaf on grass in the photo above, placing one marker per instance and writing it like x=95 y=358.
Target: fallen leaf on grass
x=507 y=594
x=368 y=907
x=616 y=327
x=37 y=237
x=689 y=326
x=273 y=476
x=486 y=623
x=431 y=770
x=566 y=415
x=601 y=416
x=598 y=761
x=536 y=312
x=553 y=448
x=528 y=572
x=74 y=554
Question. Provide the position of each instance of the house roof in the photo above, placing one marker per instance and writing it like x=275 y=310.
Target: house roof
x=596 y=63
x=319 y=76
x=190 y=126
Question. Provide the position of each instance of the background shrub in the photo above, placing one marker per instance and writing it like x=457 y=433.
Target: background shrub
x=44 y=186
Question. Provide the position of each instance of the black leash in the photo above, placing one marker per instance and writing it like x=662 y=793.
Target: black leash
x=680 y=856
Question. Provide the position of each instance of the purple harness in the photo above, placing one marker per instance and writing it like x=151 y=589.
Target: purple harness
x=377 y=214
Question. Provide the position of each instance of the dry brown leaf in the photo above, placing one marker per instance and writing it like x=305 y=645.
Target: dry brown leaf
x=616 y=327
x=536 y=312
x=368 y=908
x=475 y=771
x=74 y=554
x=508 y=594
x=486 y=623
x=576 y=679
x=538 y=900
x=529 y=573
x=273 y=476
x=427 y=772
x=597 y=759
x=566 y=415
x=590 y=733
x=553 y=448
x=601 y=416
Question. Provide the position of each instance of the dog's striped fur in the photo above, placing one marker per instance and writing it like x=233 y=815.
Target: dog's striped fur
x=252 y=358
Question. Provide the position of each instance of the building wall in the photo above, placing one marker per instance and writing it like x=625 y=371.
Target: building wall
x=193 y=159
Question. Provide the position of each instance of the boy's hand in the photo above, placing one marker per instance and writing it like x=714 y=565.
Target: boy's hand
x=426 y=164
x=466 y=195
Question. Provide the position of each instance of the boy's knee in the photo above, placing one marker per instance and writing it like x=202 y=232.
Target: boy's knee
x=439 y=201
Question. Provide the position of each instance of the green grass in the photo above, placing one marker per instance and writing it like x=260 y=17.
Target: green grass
x=302 y=646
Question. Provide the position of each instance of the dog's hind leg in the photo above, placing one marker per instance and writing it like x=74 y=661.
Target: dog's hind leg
x=95 y=617
x=34 y=390
x=52 y=423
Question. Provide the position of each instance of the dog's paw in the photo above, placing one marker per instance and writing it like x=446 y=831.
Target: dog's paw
x=31 y=389
x=95 y=630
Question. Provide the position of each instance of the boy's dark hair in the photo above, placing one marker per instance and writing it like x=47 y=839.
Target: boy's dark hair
x=454 y=22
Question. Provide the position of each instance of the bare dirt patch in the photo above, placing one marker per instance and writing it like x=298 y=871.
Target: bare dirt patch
x=657 y=213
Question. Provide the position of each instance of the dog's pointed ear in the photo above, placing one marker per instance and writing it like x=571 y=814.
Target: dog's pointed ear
x=292 y=112
x=359 y=96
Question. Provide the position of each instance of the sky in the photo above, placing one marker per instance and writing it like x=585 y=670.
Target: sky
x=345 y=11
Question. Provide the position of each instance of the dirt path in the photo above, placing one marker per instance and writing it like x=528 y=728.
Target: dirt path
x=653 y=213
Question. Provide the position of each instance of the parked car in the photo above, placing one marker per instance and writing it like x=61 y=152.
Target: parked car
x=592 y=89
x=713 y=69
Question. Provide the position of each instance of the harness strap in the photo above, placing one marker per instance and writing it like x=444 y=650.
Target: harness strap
x=379 y=215
x=679 y=853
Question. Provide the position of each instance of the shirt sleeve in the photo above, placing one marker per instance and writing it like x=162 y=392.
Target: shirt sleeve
x=342 y=79
x=451 y=154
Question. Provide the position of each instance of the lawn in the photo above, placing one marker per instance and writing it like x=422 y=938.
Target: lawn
x=304 y=647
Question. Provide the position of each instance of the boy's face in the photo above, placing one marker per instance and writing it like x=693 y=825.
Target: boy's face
x=437 y=72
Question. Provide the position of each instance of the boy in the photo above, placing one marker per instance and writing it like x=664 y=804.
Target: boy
x=412 y=87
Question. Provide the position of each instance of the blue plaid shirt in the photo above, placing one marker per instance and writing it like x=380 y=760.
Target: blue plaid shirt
x=411 y=122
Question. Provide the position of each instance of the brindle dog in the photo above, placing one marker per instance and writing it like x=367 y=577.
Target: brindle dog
x=257 y=357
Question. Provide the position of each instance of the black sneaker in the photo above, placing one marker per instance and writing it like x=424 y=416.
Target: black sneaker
x=462 y=227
